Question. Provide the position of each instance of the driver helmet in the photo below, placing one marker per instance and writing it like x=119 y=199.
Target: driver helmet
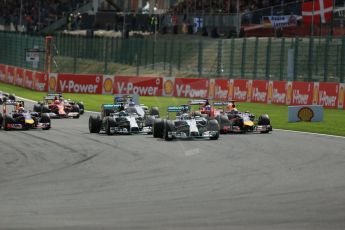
x=207 y=102
x=229 y=107
x=56 y=102
x=208 y=107
x=20 y=109
x=185 y=116
x=123 y=113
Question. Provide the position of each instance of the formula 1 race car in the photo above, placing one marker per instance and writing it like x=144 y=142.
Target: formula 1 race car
x=57 y=107
x=233 y=121
x=116 y=118
x=4 y=96
x=205 y=108
x=21 y=119
x=186 y=125
x=131 y=101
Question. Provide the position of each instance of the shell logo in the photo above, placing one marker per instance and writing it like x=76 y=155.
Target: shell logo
x=211 y=89
x=108 y=85
x=230 y=89
x=270 y=91
x=341 y=96
x=289 y=94
x=52 y=83
x=305 y=114
x=249 y=90
x=168 y=87
x=34 y=80
x=315 y=94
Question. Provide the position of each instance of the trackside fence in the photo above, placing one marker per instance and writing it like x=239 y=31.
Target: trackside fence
x=309 y=59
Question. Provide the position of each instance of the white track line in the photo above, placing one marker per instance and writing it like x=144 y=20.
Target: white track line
x=310 y=133
x=285 y=130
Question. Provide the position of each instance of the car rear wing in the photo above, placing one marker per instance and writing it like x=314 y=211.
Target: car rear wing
x=126 y=98
x=198 y=102
x=11 y=102
x=176 y=109
x=53 y=96
x=111 y=106
x=223 y=103
x=220 y=103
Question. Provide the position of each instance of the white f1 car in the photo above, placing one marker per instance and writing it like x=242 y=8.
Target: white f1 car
x=186 y=125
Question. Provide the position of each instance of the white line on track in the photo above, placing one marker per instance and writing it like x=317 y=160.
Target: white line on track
x=310 y=133
x=285 y=130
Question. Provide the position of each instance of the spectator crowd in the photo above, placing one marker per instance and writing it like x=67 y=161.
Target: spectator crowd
x=33 y=15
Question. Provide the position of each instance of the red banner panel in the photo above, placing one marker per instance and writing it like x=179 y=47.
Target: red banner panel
x=28 y=79
x=341 y=96
x=277 y=92
x=143 y=86
x=300 y=93
x=40 y=81
x=10 y=73
x=191 y=87
x=259 y=91
x=3 y=72
x=240 y=91
x=328 y=94
x=19 y=77
x=79 y=83
x=221 y=87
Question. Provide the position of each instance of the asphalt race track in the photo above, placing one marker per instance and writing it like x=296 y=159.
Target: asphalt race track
x=67 y=178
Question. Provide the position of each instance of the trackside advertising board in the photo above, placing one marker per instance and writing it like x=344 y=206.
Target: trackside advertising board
x=191 y=87
x=10 y=73
x=299 y=93
x=28 y=79
x=277 y=92
x=19 y=77
x=81 y=83
x=143 y=86
x=2 y=72
x=259 y=91
x=40 y=81
x=328 y=95
x=220 y=89
x=240 y=90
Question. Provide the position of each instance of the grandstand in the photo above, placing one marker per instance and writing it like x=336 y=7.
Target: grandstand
x=183 y=33
x=206 y=17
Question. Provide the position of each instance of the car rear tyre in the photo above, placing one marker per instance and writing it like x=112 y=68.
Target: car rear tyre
x=37 y=108
x=213 y=126
x=81 y=108
x=168 y=127
x=109 y=122
x=12 y=97
x=154 y=111
x=46 y=119
x=75 y=109
x=45 y=109
x=158 y=128
x=264 y=120
x=8 y=120
x=222 y=121
x=95 y=124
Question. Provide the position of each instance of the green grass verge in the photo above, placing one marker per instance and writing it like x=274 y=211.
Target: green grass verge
x=332 y=124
